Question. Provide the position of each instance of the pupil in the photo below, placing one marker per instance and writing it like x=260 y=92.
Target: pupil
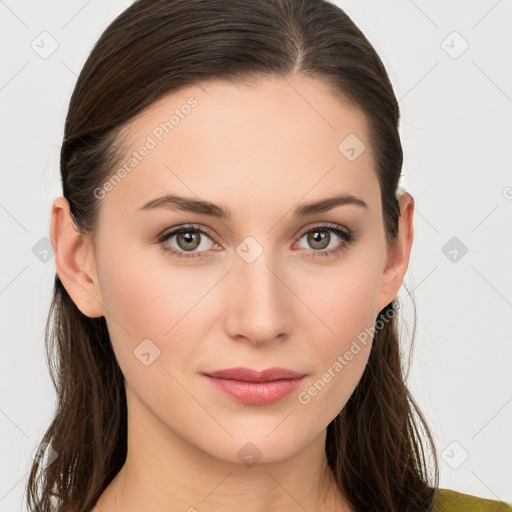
x=188 y=237
x=317 y=238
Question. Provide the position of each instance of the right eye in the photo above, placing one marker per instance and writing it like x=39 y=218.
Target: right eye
x=188 y=239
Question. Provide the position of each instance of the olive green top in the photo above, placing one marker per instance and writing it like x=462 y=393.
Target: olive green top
x=448 y=500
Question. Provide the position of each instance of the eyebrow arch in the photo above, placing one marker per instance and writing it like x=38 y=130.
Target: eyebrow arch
x=186 y=204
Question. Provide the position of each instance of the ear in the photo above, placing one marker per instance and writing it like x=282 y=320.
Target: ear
x=398 y=254
x=75 y=260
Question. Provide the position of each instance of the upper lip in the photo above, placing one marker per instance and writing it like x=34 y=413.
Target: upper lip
x=250 y=375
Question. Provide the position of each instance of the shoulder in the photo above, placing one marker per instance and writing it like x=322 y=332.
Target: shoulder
x=447 y=500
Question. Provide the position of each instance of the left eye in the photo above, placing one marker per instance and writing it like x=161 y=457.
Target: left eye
x=319 y=238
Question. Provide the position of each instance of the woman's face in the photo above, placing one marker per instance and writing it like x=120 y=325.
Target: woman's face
x=259 y=289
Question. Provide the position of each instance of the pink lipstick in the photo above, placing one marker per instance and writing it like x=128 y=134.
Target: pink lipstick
x=256 y=387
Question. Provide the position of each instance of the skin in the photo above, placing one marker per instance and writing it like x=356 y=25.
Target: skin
x=260 y=151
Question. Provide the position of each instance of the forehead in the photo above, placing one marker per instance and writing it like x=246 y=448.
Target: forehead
x=277 y=140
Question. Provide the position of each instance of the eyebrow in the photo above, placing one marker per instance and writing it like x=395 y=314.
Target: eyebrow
x=187 y=204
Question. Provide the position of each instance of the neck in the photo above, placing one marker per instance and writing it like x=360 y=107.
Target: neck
x=163 y=472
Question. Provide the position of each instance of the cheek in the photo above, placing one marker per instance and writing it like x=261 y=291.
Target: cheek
x=345 y=300
x=347 y=306
x=146 y=299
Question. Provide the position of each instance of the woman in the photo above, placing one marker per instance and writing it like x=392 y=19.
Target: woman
x=229 y=248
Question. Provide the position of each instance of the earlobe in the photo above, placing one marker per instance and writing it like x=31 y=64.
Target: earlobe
x=74 y=260
x=399 y=253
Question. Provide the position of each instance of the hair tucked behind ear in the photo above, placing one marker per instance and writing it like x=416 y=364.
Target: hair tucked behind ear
x=376 y=447
x=88 y=433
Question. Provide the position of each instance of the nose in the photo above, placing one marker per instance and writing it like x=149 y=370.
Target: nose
x=259 y=302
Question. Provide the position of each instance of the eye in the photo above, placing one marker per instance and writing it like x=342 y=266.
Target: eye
x=319 y=238
x=188 y=239
x=192 y=240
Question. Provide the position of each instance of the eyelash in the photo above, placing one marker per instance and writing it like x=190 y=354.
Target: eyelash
x=347 y=236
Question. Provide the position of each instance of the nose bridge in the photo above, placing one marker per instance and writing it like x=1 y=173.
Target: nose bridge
x=258 y=299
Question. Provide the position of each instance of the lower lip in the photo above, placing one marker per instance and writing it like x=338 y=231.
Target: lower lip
x=256 y=393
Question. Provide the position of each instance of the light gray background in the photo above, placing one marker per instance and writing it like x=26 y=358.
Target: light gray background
x=457 y=138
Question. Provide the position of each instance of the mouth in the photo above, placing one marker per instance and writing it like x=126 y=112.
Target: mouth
x=255 y=387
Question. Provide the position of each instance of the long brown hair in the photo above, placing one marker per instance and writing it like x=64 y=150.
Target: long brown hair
x=377 y=445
